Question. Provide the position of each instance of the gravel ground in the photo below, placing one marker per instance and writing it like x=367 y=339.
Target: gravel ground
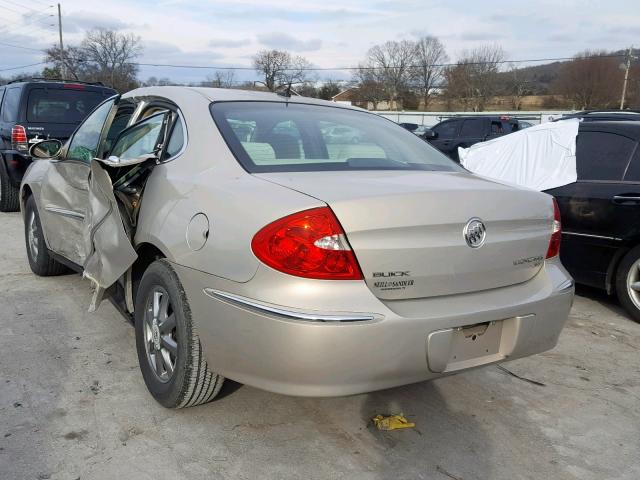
x=73 y=405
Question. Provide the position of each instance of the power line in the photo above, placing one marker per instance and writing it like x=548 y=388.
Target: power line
x=23 y=6
x=36 y=14
x=315 y=69
x=18 y=46
x=28 y=20
x=22 y=30
x=22 y=66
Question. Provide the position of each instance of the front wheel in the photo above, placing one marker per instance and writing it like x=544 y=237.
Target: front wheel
x=40 y=260
x=169 y=350
x=628 y=283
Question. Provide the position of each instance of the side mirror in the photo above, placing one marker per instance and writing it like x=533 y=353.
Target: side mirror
x=46 y=149
x=429 y=134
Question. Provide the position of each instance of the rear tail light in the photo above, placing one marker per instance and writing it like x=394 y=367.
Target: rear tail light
x=556 y=233
x=74 y=86
x=19 y=138
x=308 y=244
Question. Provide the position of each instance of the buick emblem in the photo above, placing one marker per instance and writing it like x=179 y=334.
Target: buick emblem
x=475 y=233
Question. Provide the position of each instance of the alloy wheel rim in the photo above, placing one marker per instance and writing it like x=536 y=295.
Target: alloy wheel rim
x=633 y=283
x=34 y=245
x=160 y=338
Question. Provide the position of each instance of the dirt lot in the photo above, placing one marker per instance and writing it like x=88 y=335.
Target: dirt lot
x=73 y=405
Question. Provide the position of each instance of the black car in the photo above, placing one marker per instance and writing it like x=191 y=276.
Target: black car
x=601 y=211
x=36 y=109
x=463 y=132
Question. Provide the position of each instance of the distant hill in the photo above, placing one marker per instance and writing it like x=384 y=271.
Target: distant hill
x=539 y=78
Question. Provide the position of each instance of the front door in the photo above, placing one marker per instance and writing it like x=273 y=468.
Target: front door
x=446 y=141
x=64 y=194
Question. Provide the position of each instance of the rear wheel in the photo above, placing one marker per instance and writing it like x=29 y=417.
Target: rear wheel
x=40 y=260
x=8 y=194
x=628 y=283
x=169 y=350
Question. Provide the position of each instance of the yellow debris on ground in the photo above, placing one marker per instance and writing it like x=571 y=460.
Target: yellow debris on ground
x=392 y=422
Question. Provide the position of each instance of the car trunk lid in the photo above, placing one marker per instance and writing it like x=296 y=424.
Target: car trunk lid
x=407 y=228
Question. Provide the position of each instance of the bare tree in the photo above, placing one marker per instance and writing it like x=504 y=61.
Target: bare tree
x=110 y=55
x=586 y=81
x=390 y=65
x=515 y=86
x=328 y=90
x=73 y=61
x=633 y=96
x=430 y=55
x=473 y=79
x=221 y=79
x=369 y=88
x=280 y=68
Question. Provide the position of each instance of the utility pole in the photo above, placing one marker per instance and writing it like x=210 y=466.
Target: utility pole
x=62 y=68
x=626 y=77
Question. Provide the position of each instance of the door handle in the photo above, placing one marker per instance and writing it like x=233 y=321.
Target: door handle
x=631 y=199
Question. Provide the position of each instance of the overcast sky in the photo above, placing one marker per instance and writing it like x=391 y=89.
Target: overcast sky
x=329 y=33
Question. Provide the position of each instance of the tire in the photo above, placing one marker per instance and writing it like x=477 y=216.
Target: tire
x=185 y=380
x=8 y=194
x=628 y=274
x=38 y=254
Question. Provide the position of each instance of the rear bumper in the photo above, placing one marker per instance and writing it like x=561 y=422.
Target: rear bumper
x=307 y=357
x=15 y=164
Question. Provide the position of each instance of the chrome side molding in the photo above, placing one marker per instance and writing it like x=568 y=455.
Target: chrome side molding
x=566 y=285
x=589 y=235
x=64 y=212
x=283 y=312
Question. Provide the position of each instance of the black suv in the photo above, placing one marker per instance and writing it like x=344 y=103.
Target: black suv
x=38 y=109
x=601 y=211
x=463 y=132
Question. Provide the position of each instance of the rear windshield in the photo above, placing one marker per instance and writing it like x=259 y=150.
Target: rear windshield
x=61 y=106
x=290 y=137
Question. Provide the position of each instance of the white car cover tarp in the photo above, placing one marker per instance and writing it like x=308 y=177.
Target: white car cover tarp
x=539 y=157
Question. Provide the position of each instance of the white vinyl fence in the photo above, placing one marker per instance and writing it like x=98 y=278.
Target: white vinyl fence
x=431 y=118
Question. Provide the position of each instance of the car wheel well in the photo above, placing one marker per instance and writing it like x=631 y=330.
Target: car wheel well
x=24 y=196
x=147 y=254
x=612 y=271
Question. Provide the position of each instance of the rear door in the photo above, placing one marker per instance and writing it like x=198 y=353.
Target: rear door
x=115 y=189
x=497 y=128
x=447 y=136
x=471 y=132
x=600 y=208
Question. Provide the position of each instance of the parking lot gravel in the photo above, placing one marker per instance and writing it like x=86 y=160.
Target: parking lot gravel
x=73 y=405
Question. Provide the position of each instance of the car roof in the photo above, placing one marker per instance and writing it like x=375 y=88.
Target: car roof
x=490 y=117
x=90 y=86
x=630 y=128
x=177 y=93
x=594 y=115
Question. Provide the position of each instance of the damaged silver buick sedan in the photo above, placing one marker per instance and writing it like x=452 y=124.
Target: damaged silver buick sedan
x=246 y=241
